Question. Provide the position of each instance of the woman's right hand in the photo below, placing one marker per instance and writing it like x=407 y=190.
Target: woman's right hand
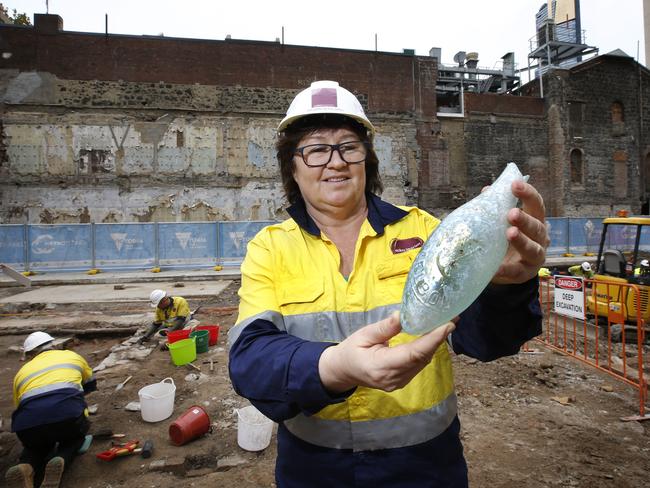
x=365 y=359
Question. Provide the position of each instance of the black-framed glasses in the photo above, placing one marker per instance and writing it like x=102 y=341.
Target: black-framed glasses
x=316 y=155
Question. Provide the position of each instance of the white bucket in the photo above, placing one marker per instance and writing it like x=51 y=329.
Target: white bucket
x=157 y=400
x=253 y=429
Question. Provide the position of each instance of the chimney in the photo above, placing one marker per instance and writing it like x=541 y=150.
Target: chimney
x=436 y=53
x=48 y=23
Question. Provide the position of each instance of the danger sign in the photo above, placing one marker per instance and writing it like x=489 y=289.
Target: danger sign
x=569 y=296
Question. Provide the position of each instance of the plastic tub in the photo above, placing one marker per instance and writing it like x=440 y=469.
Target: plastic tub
x=202 y=338
x=177 y=335
x=183 y=351
x=192 y=424
x=157 y=400
x=253 y=429
x=213 y=330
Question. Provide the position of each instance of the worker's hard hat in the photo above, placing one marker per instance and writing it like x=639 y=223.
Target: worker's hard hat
x=645 y=263
x=156 y=296
x=586 y=266
x=325 y=97
x=36 y=339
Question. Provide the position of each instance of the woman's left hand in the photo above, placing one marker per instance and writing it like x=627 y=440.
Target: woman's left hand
x=527 y=238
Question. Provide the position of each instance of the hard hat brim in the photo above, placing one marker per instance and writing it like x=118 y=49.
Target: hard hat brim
x=288 y=120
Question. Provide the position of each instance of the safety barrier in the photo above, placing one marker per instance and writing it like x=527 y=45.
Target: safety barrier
x=610 y=338
x=68 y=247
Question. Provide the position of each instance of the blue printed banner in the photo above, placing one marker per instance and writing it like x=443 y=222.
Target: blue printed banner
x=12 y=245
x=558 y=230
x=584 y=235
x=60 y=246
x=188 y=243
x=234 y=237
x=125 y=245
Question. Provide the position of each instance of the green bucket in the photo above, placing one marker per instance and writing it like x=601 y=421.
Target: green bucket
x=183 y=351
x=202 y=340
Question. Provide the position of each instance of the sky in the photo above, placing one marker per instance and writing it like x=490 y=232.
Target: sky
x=491 y=28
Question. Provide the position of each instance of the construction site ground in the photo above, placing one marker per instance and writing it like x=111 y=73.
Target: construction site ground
x=537 y=419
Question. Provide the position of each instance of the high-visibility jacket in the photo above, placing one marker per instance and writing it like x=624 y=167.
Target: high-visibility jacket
x=295 y=303
x=50 y=388
x=578 y=270
x=178 y=308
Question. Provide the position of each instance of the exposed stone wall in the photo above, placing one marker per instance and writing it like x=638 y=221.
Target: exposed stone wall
x=579 y=106
x=133 y=128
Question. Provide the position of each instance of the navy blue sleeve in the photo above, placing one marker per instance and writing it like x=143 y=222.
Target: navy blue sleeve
x=499 y=321
x=90 y=386
x=278 y=372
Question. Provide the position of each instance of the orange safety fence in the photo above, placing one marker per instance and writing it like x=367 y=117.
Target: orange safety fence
x=610 y=337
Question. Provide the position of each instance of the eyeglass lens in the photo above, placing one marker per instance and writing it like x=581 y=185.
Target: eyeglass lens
x=321 y=154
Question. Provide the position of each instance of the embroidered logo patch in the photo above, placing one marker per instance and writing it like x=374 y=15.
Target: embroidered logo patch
x=398 y=246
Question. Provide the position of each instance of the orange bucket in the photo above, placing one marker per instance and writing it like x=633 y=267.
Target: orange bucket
x=214 y=332
x=177 y=335
x=190 y=425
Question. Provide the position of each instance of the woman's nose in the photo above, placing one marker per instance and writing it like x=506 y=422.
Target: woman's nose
x=336 y=161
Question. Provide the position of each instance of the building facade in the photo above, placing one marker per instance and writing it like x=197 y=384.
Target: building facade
x=113 y=128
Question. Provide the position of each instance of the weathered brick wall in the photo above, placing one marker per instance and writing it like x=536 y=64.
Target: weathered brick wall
x=155 y=129
x=131 y=128
x=582 y=100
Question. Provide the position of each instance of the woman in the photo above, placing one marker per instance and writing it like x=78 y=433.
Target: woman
x=317 y=346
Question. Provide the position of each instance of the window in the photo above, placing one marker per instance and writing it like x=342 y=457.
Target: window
x=618 y=115
x=577 y=170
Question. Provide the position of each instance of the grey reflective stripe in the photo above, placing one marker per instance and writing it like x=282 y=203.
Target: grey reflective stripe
x=49 y=368
x=275 y=317
x=320 y=326
x=49 y=388
x=402 y=431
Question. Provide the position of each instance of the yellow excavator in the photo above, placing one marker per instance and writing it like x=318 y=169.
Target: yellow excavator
x=624 y=244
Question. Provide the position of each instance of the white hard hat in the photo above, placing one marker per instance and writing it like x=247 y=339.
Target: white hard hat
x=645 y=263
x=586 y=266
x=156 y=296
x=36 y=339
x=326 y=97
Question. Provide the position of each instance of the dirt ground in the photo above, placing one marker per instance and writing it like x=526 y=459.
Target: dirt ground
x=515 y=433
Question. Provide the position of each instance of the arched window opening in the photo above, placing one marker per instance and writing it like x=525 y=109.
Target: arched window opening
x=618 y=115
x=575 y=156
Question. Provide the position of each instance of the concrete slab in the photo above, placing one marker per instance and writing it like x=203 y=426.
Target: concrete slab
x=133 y=276
x=134 y=292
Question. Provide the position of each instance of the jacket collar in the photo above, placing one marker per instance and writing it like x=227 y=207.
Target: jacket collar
x=380 y=214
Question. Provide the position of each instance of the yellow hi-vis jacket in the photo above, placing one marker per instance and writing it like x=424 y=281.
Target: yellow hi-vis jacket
x=290 y=278
x=178 y=308
x=50 y=388
x=295 y=303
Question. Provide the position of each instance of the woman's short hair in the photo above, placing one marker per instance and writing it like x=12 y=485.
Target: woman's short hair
x=289 y=139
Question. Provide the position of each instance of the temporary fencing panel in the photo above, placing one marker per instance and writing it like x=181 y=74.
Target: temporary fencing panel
x=558 y=230
x=612 y=336
x=13 y=248
x=59 y=246
x=584 y=235
x=234 y=237
x=125 y=245
x=128 y=245
x=188 y=243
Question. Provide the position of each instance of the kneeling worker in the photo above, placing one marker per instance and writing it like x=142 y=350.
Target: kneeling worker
x=172 y=313
x=583 y=270
x=51 y=413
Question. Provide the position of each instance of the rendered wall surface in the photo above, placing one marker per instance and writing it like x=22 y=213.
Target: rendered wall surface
x=111 y=129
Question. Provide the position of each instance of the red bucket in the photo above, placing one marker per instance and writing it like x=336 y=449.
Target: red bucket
x=190 y=425
x=177 y=335
x=214 y=332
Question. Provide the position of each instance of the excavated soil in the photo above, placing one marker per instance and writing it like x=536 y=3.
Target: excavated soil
x=533 y=420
